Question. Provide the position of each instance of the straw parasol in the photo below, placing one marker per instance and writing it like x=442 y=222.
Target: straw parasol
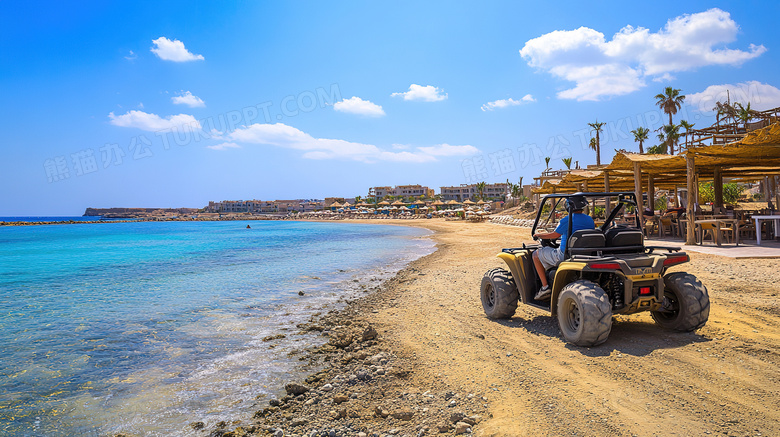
x=437 y=203
x=335 y=205
x=453 y=202
x=398 y=203
x=419 y=202
x=481 y=202
x=468 y=202
x=384 y=203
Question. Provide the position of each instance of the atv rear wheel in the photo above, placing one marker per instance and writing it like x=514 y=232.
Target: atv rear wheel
x=688 y=303
x=584 y=314
x=499 y=294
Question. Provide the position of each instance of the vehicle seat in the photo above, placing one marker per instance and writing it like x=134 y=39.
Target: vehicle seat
x=583 y=240
x=632 y=239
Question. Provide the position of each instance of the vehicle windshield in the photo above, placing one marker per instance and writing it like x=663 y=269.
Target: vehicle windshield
x=553 y=209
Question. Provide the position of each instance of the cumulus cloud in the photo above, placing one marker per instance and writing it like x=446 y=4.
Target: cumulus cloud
x=131 y=56
x=175 y=51
x=428 y=93
x=358 y=106
x=505 y=103
x=153 y=122
x=761 y=96
x=281 y=135
x=224 y=146
x=188 y=99
x=601 y=68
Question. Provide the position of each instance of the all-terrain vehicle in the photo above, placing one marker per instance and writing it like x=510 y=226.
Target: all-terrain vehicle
x=607 y=270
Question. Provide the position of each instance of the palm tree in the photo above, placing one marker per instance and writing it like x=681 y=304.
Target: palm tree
x=640 y=135
x=598 y=127
x=687 y=126
x=481 y=190
x=567 y=162
x=358 y=199
x=744 y=114
x=592 y=144
x=668 y=136
x=547 y=162
x=516 y=191
x=670 y=101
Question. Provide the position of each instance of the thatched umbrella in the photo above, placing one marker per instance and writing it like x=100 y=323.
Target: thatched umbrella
x=481 y=202
x=384 y=203
x=468 y=202
x=398 y=203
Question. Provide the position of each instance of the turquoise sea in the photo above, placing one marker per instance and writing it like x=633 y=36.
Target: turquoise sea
x=144 y=327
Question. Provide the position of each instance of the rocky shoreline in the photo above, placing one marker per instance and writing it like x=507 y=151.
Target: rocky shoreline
x=366 y=388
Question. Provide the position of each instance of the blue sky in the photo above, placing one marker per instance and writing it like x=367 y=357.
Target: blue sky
x=165 y=104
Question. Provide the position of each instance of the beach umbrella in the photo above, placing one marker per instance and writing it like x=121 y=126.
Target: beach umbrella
x=481 y=202
x=384 y=203
x=468 y=202
x=398 y=203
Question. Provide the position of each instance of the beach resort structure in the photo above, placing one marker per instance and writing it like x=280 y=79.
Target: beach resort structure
x=741 y=152
x=416 y=190
x=264 y=207
x=470 y=192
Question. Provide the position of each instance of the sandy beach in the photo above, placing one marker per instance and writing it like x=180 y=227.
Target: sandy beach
x=417 y=356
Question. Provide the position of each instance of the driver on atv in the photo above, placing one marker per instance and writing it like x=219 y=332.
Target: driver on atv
x=548 y=257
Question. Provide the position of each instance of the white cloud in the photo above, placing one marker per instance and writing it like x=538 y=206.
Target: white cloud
x=188 y=99
x=505 y=103
x=224 y=146
x=131 y=56
x=153 y=122
x=428 y=93
x=448 y=150
x=175 y=51
x=356 y=105
x=281 y=135
x=601 y=68
x=761 y=96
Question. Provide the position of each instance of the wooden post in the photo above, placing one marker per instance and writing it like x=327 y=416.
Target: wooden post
x=674 y=199
x=585 y=186
x=690 y=175
x=607 y=206
x=638 y=193
x=651 y=193
x=717 y=184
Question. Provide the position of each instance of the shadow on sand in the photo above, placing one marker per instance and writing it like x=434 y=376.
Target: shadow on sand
x=630 y=337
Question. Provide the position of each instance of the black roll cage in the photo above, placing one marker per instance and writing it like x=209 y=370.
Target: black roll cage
x=624 y=198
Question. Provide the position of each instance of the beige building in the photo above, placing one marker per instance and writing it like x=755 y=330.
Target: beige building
x=469 y=191
x=416 y=190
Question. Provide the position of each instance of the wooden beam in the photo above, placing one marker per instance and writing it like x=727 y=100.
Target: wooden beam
x=717 y=184
x=638 y=193
x=651 y=193
x=690 y=167
x=607 y=206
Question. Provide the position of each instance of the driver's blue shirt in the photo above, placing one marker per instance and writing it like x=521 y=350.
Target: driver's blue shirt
x=581 y=221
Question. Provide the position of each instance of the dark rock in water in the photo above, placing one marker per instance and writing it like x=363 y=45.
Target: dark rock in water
x=197 y=425
x=296 y=389
x=274 y=402
x=301 y=293
x=274 y=337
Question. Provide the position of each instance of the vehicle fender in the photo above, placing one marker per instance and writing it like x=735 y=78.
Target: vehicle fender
x=568 y=272
x=515 y=266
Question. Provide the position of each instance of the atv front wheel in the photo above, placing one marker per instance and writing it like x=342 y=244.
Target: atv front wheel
x=499 y=294
x=687 y=303
x=584 y=314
